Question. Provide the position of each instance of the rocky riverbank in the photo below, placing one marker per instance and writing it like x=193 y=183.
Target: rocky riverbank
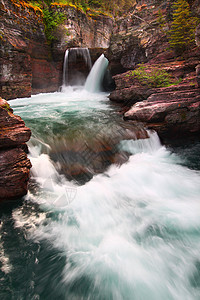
x=172 y=111
x=14 y=164
x=30 y=64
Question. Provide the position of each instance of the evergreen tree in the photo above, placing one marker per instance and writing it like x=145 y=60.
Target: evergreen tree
x=182 y=33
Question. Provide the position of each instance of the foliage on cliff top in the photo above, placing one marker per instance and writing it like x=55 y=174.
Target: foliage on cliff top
x=52 y=19
x=91 y=12
x=154 y=77
x=95 y=7
x=28 y=4
x=182 y=32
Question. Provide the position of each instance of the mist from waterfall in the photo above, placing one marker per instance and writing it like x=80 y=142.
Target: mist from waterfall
x=97 y=72
x=73 y=54
x=95 y=78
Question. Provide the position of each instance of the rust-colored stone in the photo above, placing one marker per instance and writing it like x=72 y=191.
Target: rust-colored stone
x=14 y=173
x=172 y=114
x=13 y=131
x=14 y=164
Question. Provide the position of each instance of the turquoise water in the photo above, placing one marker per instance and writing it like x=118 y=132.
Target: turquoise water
x=130 y=232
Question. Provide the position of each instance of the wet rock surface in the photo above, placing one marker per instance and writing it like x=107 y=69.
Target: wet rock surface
x=81 y=159
x=14 y=170
x=170 y=113
x=26 y=66
x=14 y=164
x=13 y=131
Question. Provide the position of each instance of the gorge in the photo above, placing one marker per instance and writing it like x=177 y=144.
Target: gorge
x=110 y=212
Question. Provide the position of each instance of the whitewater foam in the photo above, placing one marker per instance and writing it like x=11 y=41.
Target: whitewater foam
x=129 y=233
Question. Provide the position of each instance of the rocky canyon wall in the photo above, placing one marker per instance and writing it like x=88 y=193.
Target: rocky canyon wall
x=142 y=37
x=28 y=62
x=14 y=164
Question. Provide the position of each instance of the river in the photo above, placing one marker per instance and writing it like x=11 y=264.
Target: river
x=128 y=231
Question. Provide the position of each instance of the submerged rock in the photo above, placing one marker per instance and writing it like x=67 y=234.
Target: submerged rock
x=80 y=159
x=14 y=164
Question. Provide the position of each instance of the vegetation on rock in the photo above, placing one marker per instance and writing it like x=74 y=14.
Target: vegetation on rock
x=51 y=20
x=155 y=77
x=101 y=6
x=51 y=17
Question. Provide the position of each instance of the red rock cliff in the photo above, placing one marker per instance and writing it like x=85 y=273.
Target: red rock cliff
x=14 y=164
x=28 y=63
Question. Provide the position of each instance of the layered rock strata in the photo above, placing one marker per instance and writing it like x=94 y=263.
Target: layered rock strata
x=142 y=38
x=172 y=113
x=14 y=164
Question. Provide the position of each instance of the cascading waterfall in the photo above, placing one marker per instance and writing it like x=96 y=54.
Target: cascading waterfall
x=73 y=53
x=95 y=77
x=65 y=68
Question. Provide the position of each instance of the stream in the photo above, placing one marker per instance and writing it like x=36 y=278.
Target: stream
x=110 y=214
x=127 y=231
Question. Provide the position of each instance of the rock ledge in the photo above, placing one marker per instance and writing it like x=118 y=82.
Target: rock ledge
x=14 y=164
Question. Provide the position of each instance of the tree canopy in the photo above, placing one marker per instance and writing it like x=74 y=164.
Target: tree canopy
x=182 y=32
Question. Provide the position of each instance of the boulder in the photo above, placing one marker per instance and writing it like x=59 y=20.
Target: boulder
x=172 y=114
x=13 y=131
x=14 y=170
x=14 y=164
x=129 y=90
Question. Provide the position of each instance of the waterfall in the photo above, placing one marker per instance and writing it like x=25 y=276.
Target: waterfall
x=65 y=67
x=95 y=77
x=72 y=54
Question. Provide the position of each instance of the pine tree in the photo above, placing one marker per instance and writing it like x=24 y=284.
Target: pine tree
x=182 y=32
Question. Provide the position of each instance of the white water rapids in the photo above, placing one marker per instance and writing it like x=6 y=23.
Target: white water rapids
x=132 y=232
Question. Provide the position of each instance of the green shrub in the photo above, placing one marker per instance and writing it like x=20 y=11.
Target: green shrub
x=154 y=78
x=51 y=20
